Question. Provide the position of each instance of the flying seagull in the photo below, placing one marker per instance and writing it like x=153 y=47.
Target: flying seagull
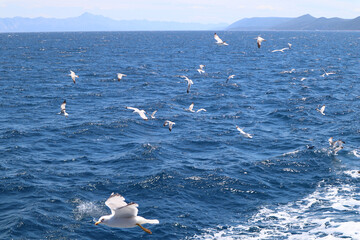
x=201 y=109
x=189 y=81
x=120 y=75
x=124 y=215
x=229 y=77
x=219 y=41
x=259 y=41
x=153 y=114
x=63 y=110
x=321 y=110
x=201 y=69
x=241 y=130
x=73 y=76
x=336 y=145
x=140 y=112
x=170 y=123
x=289 y=44
x=280 y=50
x=326 y=73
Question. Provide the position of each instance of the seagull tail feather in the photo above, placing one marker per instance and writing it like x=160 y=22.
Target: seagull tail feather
x=151 y=221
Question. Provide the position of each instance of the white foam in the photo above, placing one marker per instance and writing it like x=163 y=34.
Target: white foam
x=353 y=173
x=291 y=153
x=86 y=209
x=331 y=212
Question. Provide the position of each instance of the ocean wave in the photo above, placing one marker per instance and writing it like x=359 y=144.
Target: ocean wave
x=328 y=213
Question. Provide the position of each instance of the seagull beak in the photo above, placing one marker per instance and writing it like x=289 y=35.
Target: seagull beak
x=97 y=223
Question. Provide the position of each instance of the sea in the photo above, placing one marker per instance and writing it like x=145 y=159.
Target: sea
x=203 y=179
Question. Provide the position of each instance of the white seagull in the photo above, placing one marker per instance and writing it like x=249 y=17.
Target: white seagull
x=337 y=145
x=170 y=123
x=289 y=44
x=63 y=110
x=191 y=107
x=120 y=75
x=321 y=110
x=140 y=112
x=201 y=109
x=201 y=69
x=279 y=50
x=73 y=76
x=241 y=130
x=327 y=73
x=219 y=41
x=124 y=215
x=189 y=82
x=153 y=114
x=229 y=77
x=259 y=40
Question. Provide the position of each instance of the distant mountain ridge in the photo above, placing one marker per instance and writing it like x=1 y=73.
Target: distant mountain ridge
x=305 y=22
x=91 y=22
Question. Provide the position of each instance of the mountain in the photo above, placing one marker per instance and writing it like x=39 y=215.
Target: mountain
x=305 y=22
x=256 y=23
x=91 y=22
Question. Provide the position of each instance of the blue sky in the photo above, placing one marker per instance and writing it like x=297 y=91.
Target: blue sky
x=201 y=11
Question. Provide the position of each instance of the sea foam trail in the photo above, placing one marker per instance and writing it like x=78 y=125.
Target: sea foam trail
x=331 y=212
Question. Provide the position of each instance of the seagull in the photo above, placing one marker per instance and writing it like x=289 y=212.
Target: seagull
x=153 y=114
x=189 y=81
x=280 y=50
x=302 y=79
x=73 y=76
x=326 y=73
x=201 y=69
x=170 y=123
x=201 y=109
x=321 y=110
x=140 y=112
x=63 y=110
x=124 y=215
x=191 y=107
x=259 y=41
x=229 y=77
x=120 y=75
x=241 y=130
x=337 y=145
x=219 y=41
x=289 y=44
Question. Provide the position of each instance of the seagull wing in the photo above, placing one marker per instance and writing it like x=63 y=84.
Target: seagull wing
x=134 y=109
x=127 y=211
x=63 y=105
x=217 y=38
x=120 y=208
x=191 y=107
x=239 y=129
x=153 y=114
x=188 y=88
x=322 y=109
x=142 y=114
x=115 y=201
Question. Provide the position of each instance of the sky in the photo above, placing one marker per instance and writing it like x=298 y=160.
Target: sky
x=196 y=11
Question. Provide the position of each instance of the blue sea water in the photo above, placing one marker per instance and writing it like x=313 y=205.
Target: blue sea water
x=202 y=180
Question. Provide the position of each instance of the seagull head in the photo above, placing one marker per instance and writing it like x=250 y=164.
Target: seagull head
x=102 y=220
